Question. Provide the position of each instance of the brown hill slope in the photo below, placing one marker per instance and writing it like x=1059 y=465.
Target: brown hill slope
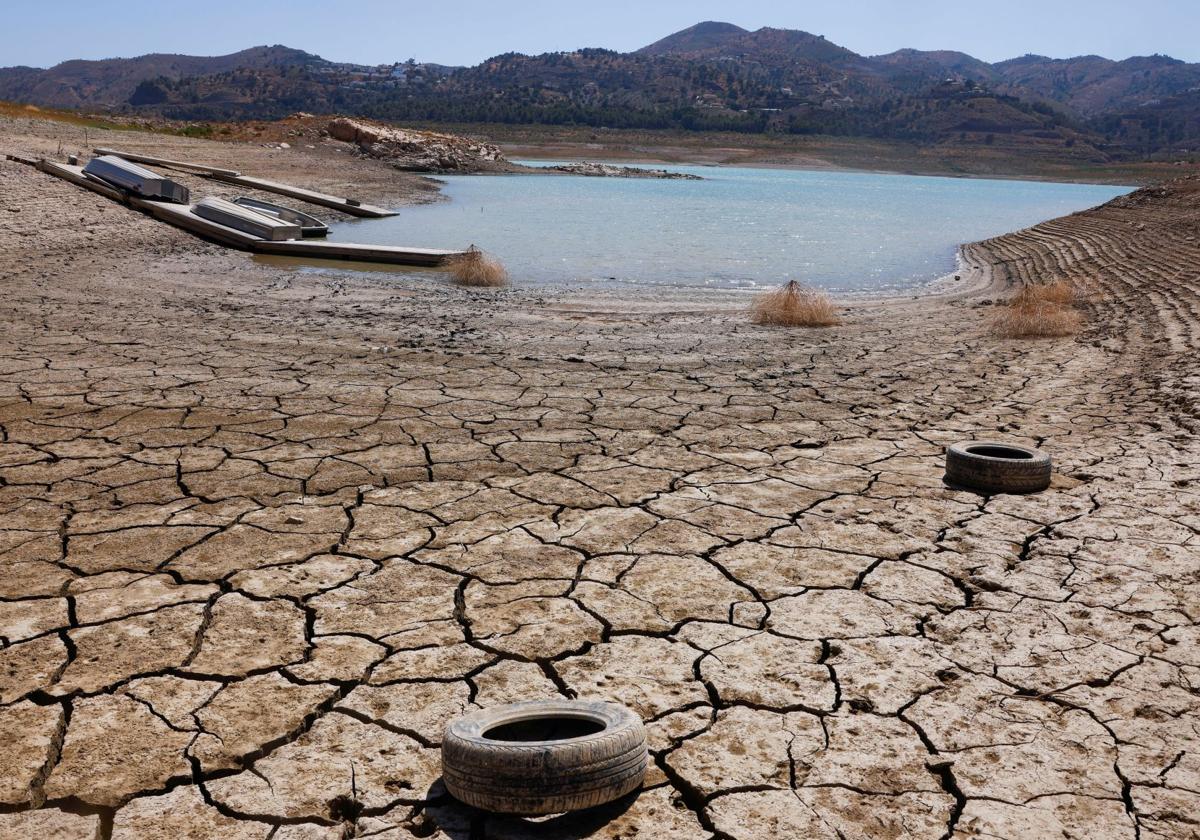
x=703 y=37
x=712 y=76
x=1091 y=85
x=112 y=81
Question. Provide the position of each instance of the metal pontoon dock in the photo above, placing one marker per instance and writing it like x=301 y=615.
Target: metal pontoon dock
x=229 y=176
x=199 y=168
x=182 y=216
x=346 y=205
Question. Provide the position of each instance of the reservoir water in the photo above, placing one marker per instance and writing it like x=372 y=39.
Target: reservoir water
x=739 y=227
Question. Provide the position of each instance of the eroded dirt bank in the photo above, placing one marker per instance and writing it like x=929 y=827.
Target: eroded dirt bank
x=263 y=532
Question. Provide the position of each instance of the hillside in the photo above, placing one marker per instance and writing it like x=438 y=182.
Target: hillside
x=1092 y=85
x=702 y=37
x=712 y=76
x=769 y=46
x=113 y=81
x=1170 y=124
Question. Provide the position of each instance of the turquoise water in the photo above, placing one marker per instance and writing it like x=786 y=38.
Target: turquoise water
x=844 y=231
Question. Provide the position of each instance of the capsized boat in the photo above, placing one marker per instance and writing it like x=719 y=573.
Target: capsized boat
x=309 y=225
x=136 y=179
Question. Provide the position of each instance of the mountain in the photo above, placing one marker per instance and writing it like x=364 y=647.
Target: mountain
x=710 y=76
x=112 y=81
x=1091 y=85
x=713 y=40
x=946 y=63
x=706 y=36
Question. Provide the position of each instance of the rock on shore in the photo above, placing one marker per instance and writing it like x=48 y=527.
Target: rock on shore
x=430 y=151
x=418 y=151
x=604 y=170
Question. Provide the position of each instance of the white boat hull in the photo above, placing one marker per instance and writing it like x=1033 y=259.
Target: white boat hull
x=264 y=226
x=136 y=179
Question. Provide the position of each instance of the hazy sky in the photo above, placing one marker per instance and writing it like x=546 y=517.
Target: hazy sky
x=467 y=31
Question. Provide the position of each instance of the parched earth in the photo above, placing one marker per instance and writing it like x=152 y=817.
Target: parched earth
x=264 y=532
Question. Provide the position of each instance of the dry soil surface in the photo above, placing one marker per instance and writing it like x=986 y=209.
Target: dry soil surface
x=263 y=532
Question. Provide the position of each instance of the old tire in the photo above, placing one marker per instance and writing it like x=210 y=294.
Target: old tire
x=544 y=757
x=991 y=467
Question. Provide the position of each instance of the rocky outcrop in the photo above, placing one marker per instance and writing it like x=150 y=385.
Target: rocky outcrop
x=429 y=151
x=418 y=151
x=604 y=170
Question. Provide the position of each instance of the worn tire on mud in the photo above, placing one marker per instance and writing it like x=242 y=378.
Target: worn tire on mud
x=597 y=754
x=992 y=467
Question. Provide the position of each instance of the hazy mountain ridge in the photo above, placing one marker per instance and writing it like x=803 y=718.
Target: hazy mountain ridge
x=112 y=81
x=712 y=75
x=1092 y=85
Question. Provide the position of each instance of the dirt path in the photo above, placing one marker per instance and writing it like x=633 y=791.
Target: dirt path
x=264 y=532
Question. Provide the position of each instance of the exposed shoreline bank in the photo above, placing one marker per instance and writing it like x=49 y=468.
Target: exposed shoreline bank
x=552 y=153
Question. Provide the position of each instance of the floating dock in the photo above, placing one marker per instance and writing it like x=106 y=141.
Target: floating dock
x=199 y=168
x=346 y=205
x=350 y=206
x=183 y=216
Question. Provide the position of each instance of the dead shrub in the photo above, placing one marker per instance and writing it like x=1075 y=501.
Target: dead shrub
x=475 y=268
x=1058 y=293
x=1039 y=311
x=793 y=305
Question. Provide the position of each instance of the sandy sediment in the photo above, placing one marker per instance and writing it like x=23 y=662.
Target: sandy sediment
x=265 y=531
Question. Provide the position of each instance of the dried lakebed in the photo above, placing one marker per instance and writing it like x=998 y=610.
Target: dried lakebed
x=263 y=533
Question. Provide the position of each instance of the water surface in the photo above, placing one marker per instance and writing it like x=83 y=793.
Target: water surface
x=844 y=231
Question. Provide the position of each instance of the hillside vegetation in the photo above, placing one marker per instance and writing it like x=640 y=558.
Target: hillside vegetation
x=711 y=77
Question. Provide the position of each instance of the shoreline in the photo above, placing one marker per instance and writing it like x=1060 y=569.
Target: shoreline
x=820 y=154
x=531 y=153
x=266 y=532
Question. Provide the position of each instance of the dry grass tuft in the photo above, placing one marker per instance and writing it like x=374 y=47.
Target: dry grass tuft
x=1041 y=311
x=475 y=268
x=1058 y=293
x=793 y=305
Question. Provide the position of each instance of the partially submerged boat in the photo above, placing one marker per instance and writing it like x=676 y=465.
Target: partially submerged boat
x=309 y=225
x=263 y=225
x=135 y=179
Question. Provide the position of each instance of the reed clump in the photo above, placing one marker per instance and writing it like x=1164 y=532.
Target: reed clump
x=475 y=268
x=1044 y=310
x=794 y=305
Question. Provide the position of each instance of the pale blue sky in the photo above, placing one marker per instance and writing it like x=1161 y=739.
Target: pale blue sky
x=467 y=31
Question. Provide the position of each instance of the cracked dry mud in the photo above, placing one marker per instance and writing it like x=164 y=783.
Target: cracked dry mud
x=264 y=532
